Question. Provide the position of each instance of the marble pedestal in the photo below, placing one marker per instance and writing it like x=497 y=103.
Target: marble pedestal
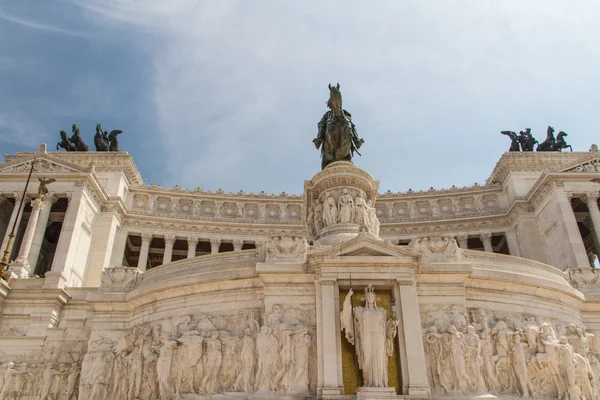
x=374 y=393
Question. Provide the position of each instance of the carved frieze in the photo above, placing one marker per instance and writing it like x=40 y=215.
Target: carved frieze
x=120 y=278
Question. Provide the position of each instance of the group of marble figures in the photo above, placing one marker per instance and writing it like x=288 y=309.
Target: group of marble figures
x=525 y=141
x=201 y=355
x=526 y=357
x=348 y=209
x=103 y=140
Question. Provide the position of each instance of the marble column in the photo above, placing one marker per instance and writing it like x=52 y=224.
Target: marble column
x=13 y=217
x=513 y=243
x=40 y=230
x=119 y=244
x=329 y=332
x=68 y=242
x=215 y=243
x=571 y=240
x=486 y=238
x=192 y=243
x=144 y=249
x=21 y=266
x=103 y=240
x=168 y=254
x=591 y=200
x=463 y=241
x=418 y=383
x=238 y=244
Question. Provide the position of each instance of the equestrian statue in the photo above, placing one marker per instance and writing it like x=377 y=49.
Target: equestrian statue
x=337 y=137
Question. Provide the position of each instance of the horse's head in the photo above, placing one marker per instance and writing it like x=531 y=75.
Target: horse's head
x=63 y=135
x=98 y=129
x=335 y=98
x=75 y=129
x=550 y=131
x=562 y=134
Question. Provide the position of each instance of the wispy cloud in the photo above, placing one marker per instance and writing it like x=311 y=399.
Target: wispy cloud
x=40 y=26
x=236 y=88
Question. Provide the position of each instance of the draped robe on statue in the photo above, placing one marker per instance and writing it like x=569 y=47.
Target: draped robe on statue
x=368 y=334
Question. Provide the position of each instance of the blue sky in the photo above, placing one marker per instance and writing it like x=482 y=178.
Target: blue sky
x=227 y=94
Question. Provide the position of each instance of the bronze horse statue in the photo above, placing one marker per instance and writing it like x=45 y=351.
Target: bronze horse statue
x=65 y=142
x=526 y=140
x=548 y=144
x=77 y=140
x=561 y=143
x=100 y=139
x=514 y=140
x=337 y=137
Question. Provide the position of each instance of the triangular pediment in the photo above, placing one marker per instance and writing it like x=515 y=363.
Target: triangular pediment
x=589 y=165
x=369 y=246
x=43 y=163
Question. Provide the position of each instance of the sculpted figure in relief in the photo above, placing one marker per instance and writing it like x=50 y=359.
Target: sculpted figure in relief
x=163 y=368
x=366 y=329
x=330 y=211
x=373 y=221
x=212 y=363
x=361 y=210
x=266 y=345
x=346 y=207
x=245 y=380
x=319 y=222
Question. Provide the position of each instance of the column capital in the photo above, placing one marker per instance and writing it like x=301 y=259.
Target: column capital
x=146 y=237
x=2 y=198
x=485 y=236
x=590 y=198
x=327 y=280
x=238 y=244
x=37 y=204
x=193 y=240
x=49 y=199
x=170 y=239
x=215 y=242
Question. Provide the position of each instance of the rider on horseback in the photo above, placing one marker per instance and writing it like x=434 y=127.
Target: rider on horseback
x=337 y=136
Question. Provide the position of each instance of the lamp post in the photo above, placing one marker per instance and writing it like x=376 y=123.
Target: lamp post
x=11 y=235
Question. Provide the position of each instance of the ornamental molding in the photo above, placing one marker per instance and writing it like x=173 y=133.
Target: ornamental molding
x=139 y=226
x=535 y=161
x=43 y=163
x=102 y=161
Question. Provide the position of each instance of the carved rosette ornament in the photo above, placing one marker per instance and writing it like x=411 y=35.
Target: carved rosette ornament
x=339 y=203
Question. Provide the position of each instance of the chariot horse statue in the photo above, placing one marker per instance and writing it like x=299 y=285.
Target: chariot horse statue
x=337 y=137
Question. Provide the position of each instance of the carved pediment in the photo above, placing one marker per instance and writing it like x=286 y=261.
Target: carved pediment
x=367 y=245
x=42 y=164
x=592 y=165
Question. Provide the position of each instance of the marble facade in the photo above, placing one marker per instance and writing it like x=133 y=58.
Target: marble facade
x=149 y=292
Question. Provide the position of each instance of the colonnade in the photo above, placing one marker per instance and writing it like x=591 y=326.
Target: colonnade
x=192 y=241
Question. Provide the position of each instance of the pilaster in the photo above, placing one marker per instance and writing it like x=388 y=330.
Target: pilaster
x=104 y=234
x=418 y=383
x=328 y=327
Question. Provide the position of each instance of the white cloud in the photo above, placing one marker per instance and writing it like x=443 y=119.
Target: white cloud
x=239 y=86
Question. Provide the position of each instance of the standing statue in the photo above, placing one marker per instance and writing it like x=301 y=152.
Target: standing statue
x=77 y=140
x=346 y=207
x=561 y=143
x=514 y=144
x=526 y=140
x=330 y=211
x=337 y=137
x=367 y=328
x=100 y=139
x=548 y=144
x=65 y=142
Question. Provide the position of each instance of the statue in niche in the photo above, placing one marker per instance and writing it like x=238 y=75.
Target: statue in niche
x=346 y=207
x=330 y=210
x=365 y=328
x=337 y=137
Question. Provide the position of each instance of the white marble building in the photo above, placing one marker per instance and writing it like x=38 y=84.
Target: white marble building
x=120 y=290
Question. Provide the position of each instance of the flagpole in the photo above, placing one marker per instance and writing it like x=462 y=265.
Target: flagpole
x=11 y=235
